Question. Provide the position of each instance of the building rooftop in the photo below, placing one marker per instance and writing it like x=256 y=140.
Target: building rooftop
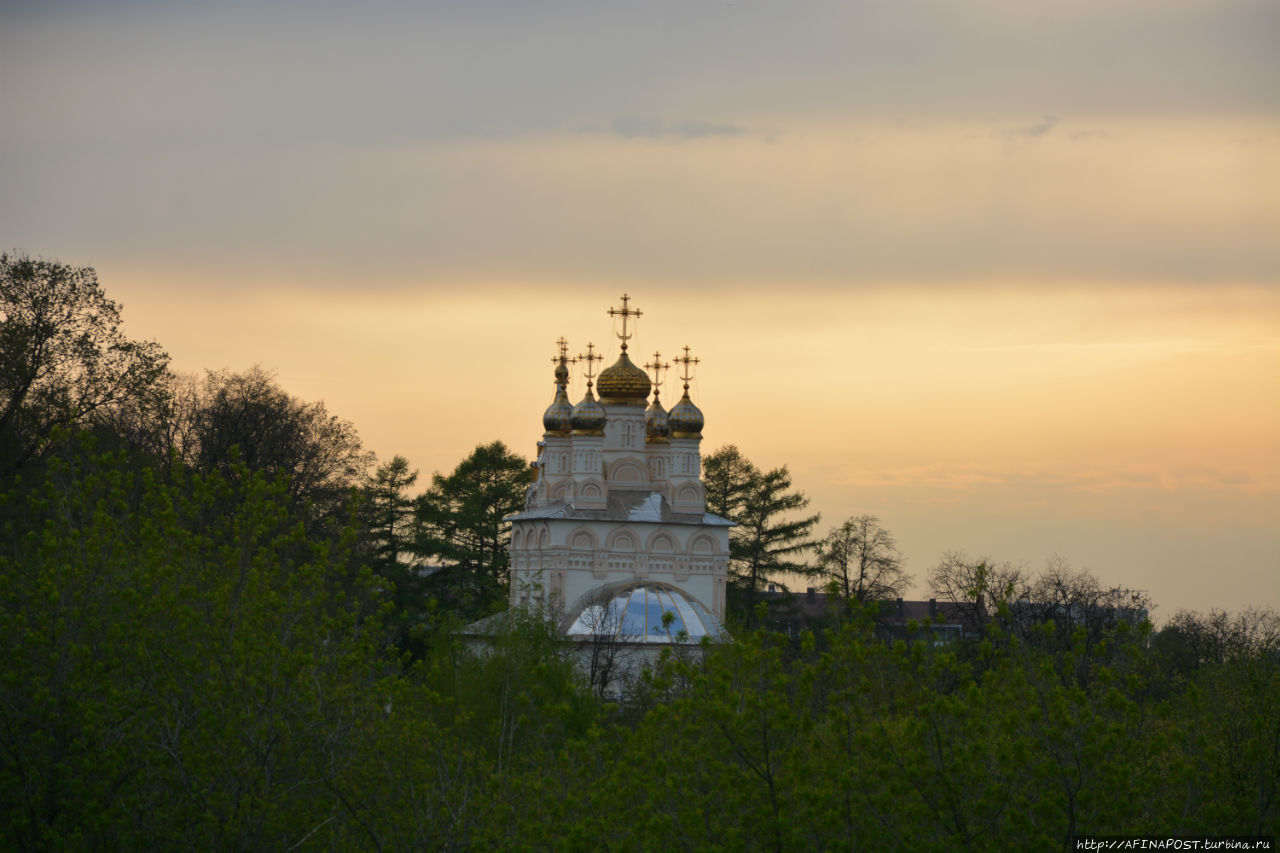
x=625 y=506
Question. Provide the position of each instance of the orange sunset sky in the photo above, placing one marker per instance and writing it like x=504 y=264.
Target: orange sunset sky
x=1005 y=274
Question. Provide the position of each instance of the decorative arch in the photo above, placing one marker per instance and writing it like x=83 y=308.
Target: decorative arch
x=544 y=539
x=628 y=471
x=661 y=543
x=591 y=490
x=560 y=491
x=689 y=494
x=582 y=539
x=623 y=539
x=517 y=538
x=702 y=544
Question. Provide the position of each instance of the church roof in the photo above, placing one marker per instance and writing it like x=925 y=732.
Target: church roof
x=638 y=505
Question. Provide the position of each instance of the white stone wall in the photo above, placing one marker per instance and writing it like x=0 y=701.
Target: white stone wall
x=555 y=562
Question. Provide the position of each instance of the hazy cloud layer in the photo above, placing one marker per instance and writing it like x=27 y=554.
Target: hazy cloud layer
x=632 y=127
x=845 y=204
x=834 y=140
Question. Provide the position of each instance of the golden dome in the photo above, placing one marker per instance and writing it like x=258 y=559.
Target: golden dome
x=623 y=384
x=685 y=418
x=657 y=426
x=556 y=419
x=588 y=416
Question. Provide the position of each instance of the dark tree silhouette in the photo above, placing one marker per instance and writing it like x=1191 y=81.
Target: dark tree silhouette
x=64 y=360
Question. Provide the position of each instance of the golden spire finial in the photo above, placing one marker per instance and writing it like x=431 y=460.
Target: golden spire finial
x=686 y=367
x=624 y=313
x=588 y=358
x=657 y=367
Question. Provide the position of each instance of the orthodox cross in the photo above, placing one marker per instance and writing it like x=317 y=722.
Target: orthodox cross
x=588 y=358
x=686 y=367
x=624 y=313
x=657 y=367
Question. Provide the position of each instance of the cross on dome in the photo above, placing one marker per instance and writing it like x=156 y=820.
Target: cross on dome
x=686 y=367
x=657 y=366
x=624 y=312
x=589 y=357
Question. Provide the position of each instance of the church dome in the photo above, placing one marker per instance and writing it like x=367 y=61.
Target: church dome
x=685 y=418
x=557 y=419
x=657 y=425
x=623 y=384
x=588 y=417
x=635 y=614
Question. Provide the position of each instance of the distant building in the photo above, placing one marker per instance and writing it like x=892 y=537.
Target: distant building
x=939 y=621
x=897 y=620
x=615 y=543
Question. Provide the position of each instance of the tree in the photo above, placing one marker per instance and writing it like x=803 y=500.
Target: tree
x=184 y=657
x=64 y=360
x=977 y=586
x=765 y=546
x=392 y=530
x=1232 y=715
x=726 y=478
x=861 y=561
x=390 y=510
x=247 y=418
x=233 y=422
x=1194 y=640
x=462 y=517
x=1082 y=611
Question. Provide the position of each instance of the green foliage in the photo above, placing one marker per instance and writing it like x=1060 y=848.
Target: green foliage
x=391 y=531
x=463 y=741
x=856 y=744
x=726 y=478
x=189 y=668
x=388 y=511
x=461 y=518
x=1231 y=707
x=191 y=665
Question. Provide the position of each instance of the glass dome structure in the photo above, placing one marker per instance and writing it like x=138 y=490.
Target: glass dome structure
x=638 y=614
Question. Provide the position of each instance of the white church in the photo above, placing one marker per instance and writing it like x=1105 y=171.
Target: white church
x=615 y=542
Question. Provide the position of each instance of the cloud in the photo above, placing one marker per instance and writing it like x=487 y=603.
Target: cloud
x=1040 y=128
x=632 y=127
x=1020 y=479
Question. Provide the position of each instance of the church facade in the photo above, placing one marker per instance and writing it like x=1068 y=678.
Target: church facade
x=615 y=542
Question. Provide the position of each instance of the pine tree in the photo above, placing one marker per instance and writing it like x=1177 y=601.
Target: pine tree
x=769 y=540
x=462 y=517
x=392 y=531
x=726 y=478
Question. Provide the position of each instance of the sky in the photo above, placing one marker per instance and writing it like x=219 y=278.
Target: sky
x=1004 y=274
